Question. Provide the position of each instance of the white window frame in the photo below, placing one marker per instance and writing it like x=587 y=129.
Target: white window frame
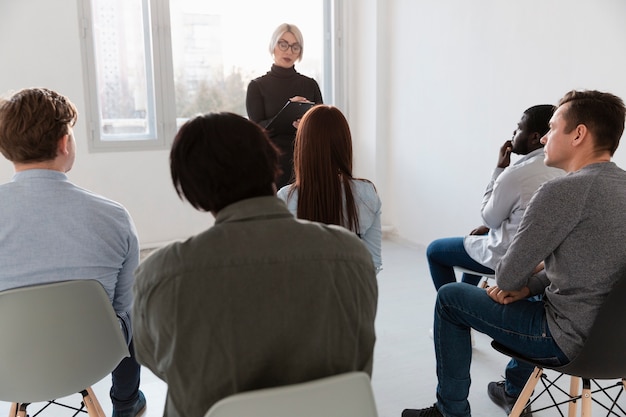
x=159 y=50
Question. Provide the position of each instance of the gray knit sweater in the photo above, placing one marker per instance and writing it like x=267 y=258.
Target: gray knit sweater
x=577 y=224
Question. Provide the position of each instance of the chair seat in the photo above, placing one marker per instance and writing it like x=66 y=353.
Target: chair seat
x=344 y=395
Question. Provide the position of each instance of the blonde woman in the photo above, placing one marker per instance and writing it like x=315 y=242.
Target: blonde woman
x=266 y=95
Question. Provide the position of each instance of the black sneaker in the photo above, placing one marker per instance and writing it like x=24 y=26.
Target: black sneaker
x=424 y=412
x=498 y=395
x=136 y=410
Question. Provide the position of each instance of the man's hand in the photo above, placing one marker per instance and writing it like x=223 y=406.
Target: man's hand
x=507 y=297
x=480 y=230
x=504 y=158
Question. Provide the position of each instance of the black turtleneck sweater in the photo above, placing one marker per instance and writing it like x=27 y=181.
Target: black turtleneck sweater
x=268 y=94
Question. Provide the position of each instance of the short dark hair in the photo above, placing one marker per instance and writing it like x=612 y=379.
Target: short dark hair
x=538 y=118
x=602 y=113
x=31 y=123
x=220 y=158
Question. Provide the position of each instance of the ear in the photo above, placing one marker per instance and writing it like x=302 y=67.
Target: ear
x=534 y=139
x=582 y=135
x=63 y=145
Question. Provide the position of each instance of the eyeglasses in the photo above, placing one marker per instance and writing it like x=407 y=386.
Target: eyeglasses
x=284 y=46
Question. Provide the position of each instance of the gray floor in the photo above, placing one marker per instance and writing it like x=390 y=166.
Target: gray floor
x=404 y=368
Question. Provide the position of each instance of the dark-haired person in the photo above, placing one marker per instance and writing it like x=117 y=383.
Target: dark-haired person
x=325 y=190
x=259 y=299
x=503 y=204
x=576 y=225
x=267 y=94
x=51 y=230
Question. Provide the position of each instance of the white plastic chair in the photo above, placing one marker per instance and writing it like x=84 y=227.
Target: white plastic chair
x=57 y=339
x=484 y=283
x=344 y=395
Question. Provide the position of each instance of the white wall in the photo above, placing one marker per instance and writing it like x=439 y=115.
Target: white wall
x=40 y=47
x=434 y=89
x=453 y=80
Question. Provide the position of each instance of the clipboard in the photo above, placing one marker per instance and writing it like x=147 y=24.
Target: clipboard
x=291 y=111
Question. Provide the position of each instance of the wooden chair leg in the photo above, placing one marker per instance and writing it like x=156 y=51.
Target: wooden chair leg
x=20 y=409
x=586 y=399
x=524 y=396
x=94 y=409
x=574 y=387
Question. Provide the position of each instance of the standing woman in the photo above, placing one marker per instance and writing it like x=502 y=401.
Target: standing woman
x=268 y=94
x=325 y=190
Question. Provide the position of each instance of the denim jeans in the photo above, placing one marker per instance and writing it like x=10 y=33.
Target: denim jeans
x=125 y=382
x=521 y=326
x=444 y=254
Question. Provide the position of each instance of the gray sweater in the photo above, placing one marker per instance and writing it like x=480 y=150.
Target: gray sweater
x=577 y=224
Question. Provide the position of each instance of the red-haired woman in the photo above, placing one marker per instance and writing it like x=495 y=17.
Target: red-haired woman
x=325 y=190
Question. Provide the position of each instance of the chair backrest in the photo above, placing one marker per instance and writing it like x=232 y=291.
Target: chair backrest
x=603 y=355
x=344 y=395
x=56 y=339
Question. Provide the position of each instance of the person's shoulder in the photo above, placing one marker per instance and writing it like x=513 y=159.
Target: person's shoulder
x=537 y=166
x=603 y=171
x=364 y=184
x=284 y=191
x=564 y=185
x=365 y=190
x=342 y=245
x=329 y=235
x=160 y=264
x=102 y=203
x=7 y=187
x=259 y=81
x=305 y=77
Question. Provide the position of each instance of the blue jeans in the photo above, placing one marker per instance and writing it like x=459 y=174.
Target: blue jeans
x=125 y=382
x=444 y=254
x=520 y=326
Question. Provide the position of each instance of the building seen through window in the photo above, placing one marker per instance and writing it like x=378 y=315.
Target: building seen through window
x=157 y=63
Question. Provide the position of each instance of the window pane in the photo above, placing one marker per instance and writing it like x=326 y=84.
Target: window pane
x=219 y=46
x=123 y=75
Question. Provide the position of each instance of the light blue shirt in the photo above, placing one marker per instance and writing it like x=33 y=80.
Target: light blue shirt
x=504 y=203
x=51 y=230
x=368 y=206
